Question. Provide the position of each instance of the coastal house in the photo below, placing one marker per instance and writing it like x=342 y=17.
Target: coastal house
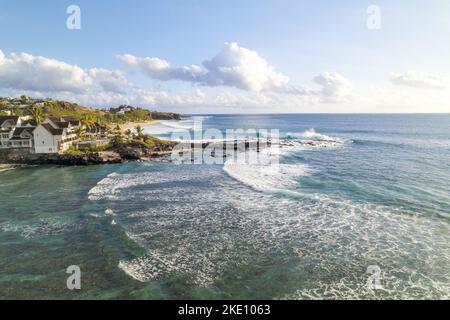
x=15 y=132
x=7 y=126
x=22 y=137
x=122 y=109
x=55 y=135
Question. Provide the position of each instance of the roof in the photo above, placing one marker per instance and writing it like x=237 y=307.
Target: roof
x=64 y=122
x=68 y=118
x=20 y=130
x=14 y=119
x=75 y=123
x=55 y=120
x=53 y=131
x=29 y=122
x=62 y=125
x=72 y=121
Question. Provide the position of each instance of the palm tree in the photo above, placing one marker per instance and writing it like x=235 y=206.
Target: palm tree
x=139 y=131
x=80 y=132
x=38 y=115
x=88 y=121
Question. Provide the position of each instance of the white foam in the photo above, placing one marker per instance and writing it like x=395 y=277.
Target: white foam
x=313 y=135
x=267 y=177
x=43 y=227
x=169 y=126
x=196 y=221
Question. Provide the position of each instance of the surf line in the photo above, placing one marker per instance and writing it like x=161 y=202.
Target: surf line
x=189 y=310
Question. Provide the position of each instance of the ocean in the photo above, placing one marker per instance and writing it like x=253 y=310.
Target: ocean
x=372 y=207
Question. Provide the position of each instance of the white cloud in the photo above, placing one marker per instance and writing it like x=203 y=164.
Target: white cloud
x=335 y=88
x=35 y=73
x=28 y=72
x=234 y=66
x=160 y=69
x=419 y=79
x=238 y=67
x=242 y=68
x=236 y=79
x=110 y=81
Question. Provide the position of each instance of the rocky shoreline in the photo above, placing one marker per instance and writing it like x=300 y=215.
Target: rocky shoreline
x=139 y=151
x=117 y=154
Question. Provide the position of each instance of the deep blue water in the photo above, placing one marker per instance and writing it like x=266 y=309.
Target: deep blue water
x=379 y=197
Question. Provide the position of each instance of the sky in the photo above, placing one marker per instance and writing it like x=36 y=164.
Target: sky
x=247 y=56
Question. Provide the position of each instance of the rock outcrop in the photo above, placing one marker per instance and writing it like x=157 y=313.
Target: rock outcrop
x=22 y=157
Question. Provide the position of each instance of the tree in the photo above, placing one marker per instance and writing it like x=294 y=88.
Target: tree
x=38 y=115
x=17 y=111
x=80 y=132
x=88 y=121
x=139 y=131
x=23 y=99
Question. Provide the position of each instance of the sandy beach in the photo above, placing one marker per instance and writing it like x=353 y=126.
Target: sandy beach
x=132 y=125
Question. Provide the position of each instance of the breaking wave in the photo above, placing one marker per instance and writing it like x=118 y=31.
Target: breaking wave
x=267 y=177
x=311 y=134
x=272 y=176
x=187 y=228
x=203 y=221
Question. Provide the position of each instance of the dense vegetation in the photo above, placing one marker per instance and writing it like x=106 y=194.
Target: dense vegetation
x=128 y=141
x=39 y=109
x=125 y=143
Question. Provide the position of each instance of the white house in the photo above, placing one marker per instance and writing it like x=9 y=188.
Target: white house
x=22 y=137
x=7 y=126
x=55 y=135
x=48 y=139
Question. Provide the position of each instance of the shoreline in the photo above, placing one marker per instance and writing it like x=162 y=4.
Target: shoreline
x=132 y=125
x=6 y=166
x=122 y=153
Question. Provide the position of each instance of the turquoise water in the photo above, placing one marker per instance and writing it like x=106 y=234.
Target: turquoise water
x=379 y=197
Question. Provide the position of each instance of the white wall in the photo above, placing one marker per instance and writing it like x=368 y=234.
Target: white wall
x=44 y=141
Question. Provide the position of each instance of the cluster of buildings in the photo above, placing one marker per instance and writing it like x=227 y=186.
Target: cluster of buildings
x=9 y=105
x=53 y=135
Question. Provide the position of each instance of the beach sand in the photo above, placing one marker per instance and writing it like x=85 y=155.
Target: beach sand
x=132 y=125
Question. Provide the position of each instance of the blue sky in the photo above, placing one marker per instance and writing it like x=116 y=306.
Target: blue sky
x=316 y=56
